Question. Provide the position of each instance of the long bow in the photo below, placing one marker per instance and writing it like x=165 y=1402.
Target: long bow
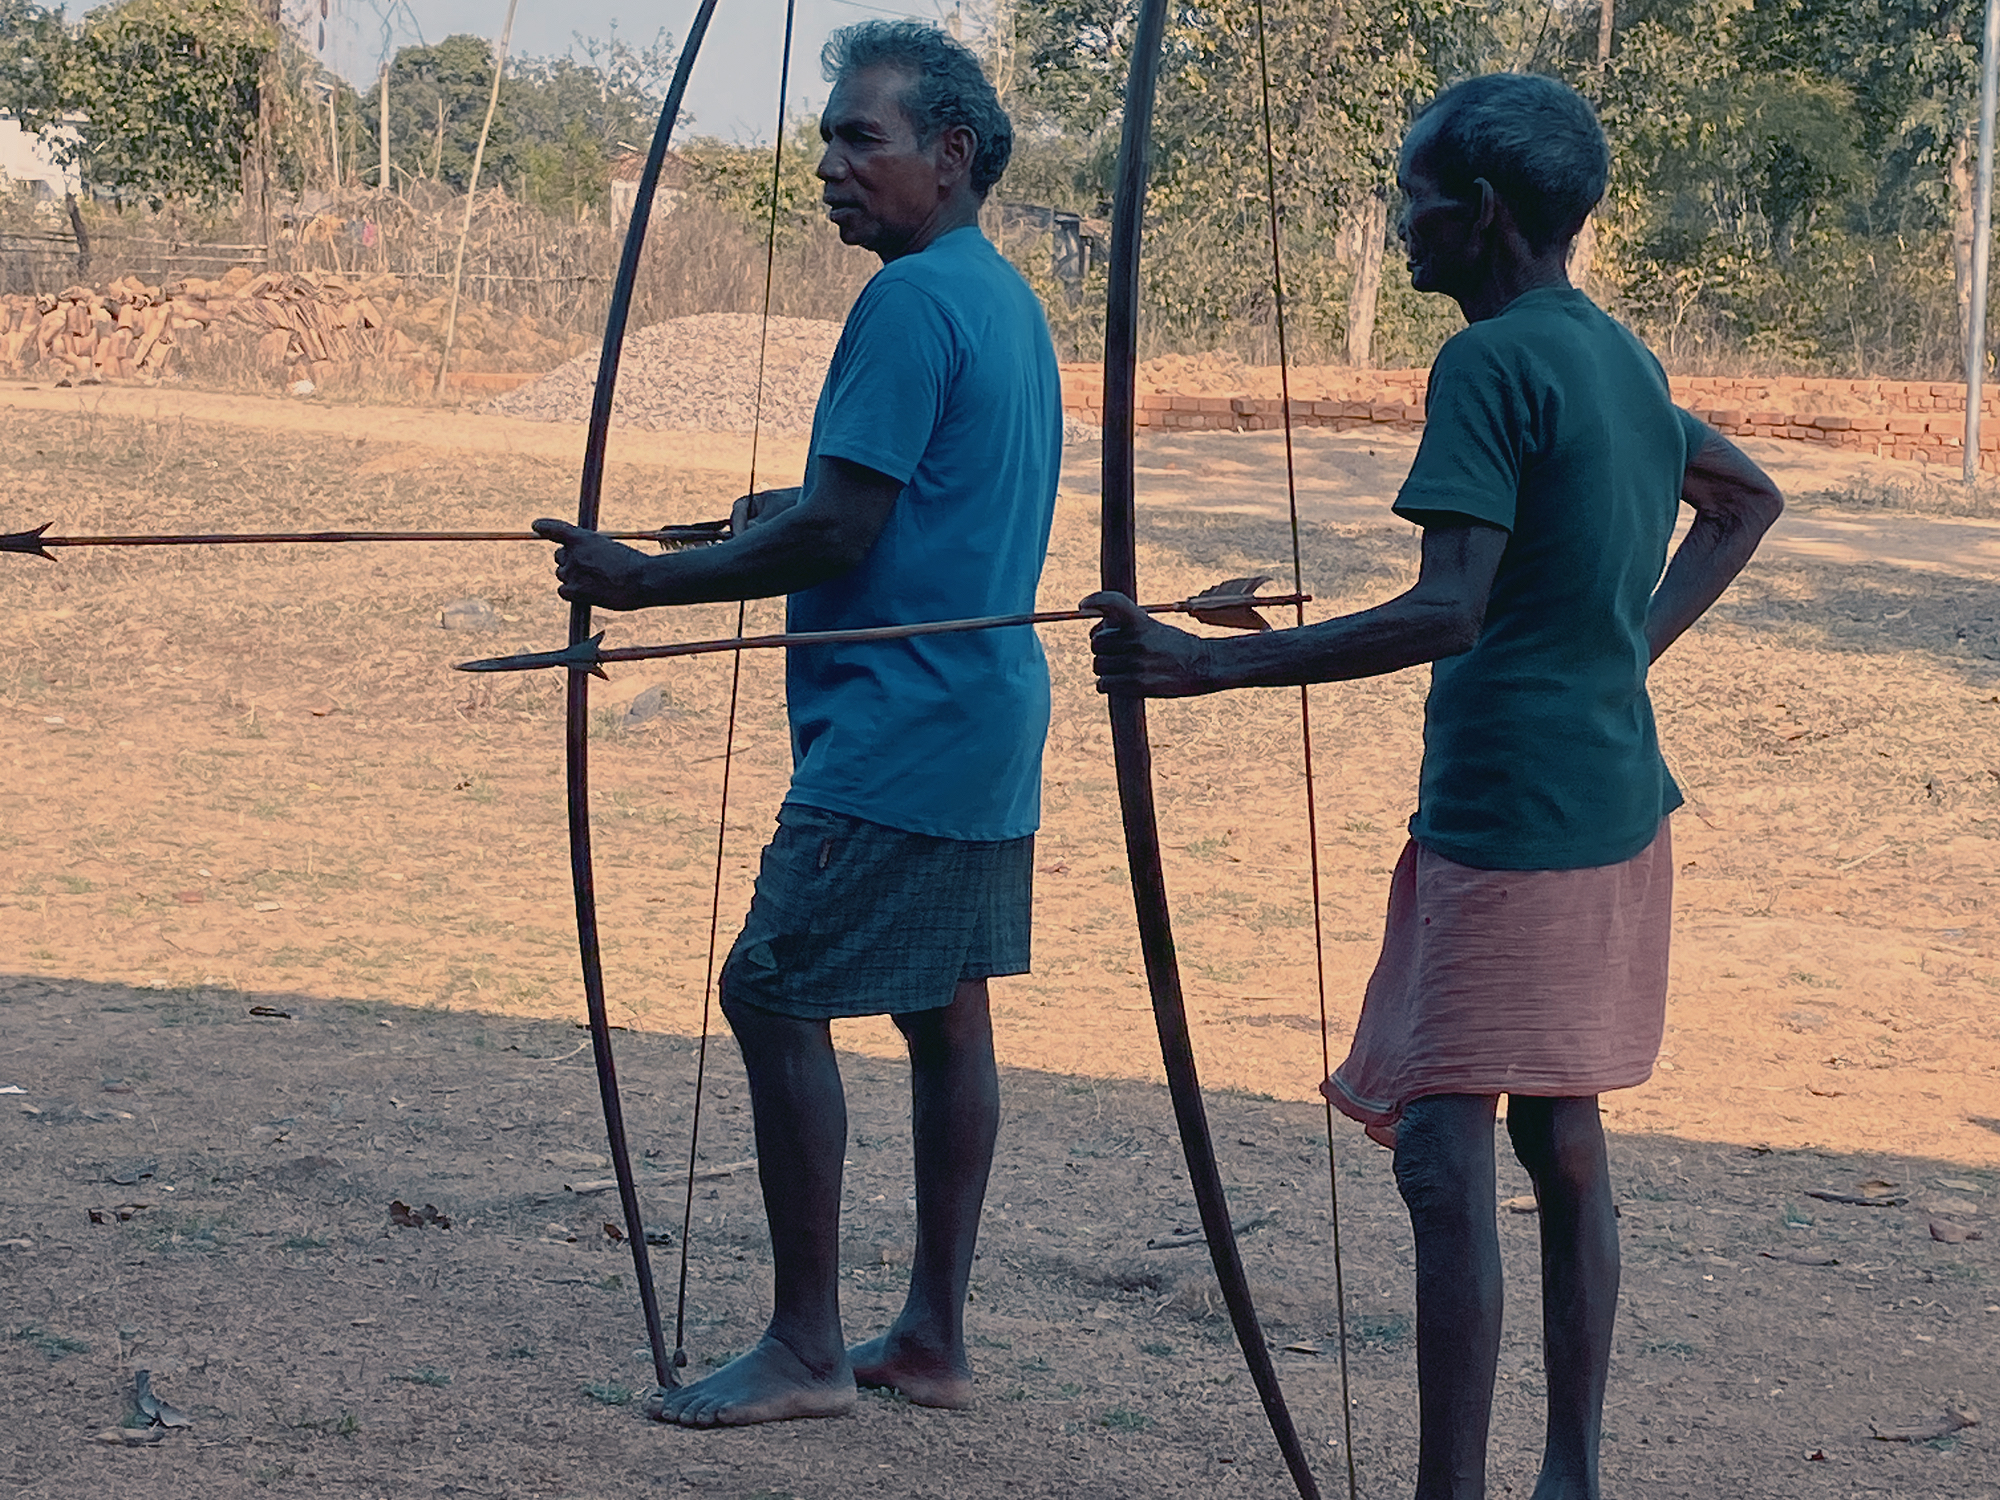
x=577 y=717
x=1132 y=750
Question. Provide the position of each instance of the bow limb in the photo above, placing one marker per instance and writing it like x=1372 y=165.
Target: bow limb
x=577 y=711
x=1132 y=750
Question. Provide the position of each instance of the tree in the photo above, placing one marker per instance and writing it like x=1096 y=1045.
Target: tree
x=559 y=123
x=169 y=92
x=35 y=64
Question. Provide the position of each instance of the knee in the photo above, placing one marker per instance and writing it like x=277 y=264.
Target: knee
x=1444 y=1151
x=1559 y=1141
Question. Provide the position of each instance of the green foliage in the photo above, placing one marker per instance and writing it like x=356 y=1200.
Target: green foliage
x=169 y=89
x=35 y=63
x=557 y=128
x=739 y=179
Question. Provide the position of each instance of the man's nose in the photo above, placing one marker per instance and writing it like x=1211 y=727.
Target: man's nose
x=830 y=169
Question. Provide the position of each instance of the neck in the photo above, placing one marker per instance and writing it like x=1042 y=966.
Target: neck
x=1509 y=279
x=956 y=212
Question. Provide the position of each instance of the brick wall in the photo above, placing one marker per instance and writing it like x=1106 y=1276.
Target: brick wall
x=1921 y=421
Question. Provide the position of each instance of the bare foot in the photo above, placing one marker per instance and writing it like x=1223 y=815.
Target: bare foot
x=923 y=1377
x=769 y=1384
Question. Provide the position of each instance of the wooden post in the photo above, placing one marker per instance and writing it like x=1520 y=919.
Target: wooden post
x=471 y=190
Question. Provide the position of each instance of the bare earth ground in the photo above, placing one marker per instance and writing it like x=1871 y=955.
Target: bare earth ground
x=244 y=778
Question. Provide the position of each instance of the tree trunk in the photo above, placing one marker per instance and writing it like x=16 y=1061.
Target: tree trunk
x=1367 y=288
x=259 y=164
x=1962 y=233
x=82 y=239
x=1603 y=35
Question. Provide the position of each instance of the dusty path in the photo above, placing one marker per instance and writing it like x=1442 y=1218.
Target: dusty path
x=780 y=457
x=1342 y=476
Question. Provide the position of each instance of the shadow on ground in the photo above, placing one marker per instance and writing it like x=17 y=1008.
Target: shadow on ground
x=243 y=1166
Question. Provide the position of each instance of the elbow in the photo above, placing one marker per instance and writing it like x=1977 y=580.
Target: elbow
x=1458 y=629
x=821 y=550
x=1769 y=504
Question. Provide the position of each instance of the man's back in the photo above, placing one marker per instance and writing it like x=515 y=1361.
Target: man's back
x=1552 y=422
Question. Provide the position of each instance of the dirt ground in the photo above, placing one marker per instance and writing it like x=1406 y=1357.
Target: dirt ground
x=246 y=779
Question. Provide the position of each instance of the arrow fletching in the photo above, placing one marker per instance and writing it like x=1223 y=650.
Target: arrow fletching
x=582 y=657
x=29 y=542
x=692 y=534
x=1231 y=604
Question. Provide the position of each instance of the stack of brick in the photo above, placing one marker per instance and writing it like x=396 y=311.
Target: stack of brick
x=296 y=325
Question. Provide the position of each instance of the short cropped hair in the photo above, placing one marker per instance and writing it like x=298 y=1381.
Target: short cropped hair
x=1533 y=137
x=947 y=86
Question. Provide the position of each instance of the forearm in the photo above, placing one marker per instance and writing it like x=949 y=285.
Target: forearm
x=793 y=549
x=1716 y=548
x=1404 y=632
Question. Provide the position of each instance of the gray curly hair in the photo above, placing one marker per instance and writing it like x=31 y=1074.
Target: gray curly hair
x=1534 y=138
x=947 y=86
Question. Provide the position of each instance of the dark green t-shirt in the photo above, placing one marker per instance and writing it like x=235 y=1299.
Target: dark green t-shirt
x=1552 y=422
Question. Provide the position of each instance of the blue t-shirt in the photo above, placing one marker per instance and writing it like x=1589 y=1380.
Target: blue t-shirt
x=1552 y=422
x=945 y=379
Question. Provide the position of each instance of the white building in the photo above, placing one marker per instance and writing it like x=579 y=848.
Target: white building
x=26 y=159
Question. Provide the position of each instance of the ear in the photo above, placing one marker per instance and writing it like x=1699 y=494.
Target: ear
x=957 y=145
x=1490 y=207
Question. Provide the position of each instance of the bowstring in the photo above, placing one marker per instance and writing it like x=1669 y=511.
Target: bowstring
x=735 y=698
x=1306 y=734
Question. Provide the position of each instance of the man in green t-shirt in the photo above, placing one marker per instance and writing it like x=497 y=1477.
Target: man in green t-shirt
x=1526 y=939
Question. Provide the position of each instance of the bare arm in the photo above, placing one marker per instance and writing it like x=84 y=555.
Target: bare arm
x=1734 y=503
x=1440 y=615
x=827 y=533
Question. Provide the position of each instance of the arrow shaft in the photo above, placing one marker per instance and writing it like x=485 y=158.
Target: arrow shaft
x=697 y=532
x=905 y=632
x=594 y=656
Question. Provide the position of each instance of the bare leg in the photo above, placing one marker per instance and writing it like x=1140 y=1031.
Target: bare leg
x=955 y=1117
x=1561 y=1143
x=799 y=1368
x=1444 y=1169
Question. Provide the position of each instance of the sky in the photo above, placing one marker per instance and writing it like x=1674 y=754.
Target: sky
x=734 y=91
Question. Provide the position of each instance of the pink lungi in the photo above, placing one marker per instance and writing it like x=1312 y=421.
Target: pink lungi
x=1544 y=982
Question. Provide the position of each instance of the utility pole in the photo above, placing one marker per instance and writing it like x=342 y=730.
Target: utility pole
x=1982 y=243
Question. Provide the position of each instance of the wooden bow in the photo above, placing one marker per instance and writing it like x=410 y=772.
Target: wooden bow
x=1132 y=750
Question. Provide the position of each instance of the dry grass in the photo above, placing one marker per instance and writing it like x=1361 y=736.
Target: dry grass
x=277 y=729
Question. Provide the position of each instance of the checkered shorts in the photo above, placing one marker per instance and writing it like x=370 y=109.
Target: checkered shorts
x=851 y=918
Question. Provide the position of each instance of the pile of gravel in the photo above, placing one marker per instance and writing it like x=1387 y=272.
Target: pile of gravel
x=696 y=374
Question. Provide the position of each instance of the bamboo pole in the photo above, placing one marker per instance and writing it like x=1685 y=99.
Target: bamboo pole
x=471 y=191
x=382 y=132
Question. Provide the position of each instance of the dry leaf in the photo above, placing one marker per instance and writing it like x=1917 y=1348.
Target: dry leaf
x=1525 y=1204
x=1947 y=1233
x=1933 y=1427
x=613 y=1233
x=405 y=1217
x=130 y=1437
x=1801 y=1257
x=1859 y=1200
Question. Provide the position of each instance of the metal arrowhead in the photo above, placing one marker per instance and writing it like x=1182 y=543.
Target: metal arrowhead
x=28 y=541
x=1232 y=607
x=582 y=657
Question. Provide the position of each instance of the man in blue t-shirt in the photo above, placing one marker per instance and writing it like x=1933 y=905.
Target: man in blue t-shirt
x=898 y=879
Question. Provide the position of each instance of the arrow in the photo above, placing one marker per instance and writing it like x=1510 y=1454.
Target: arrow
x=37 y=542
x=1233 y=604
